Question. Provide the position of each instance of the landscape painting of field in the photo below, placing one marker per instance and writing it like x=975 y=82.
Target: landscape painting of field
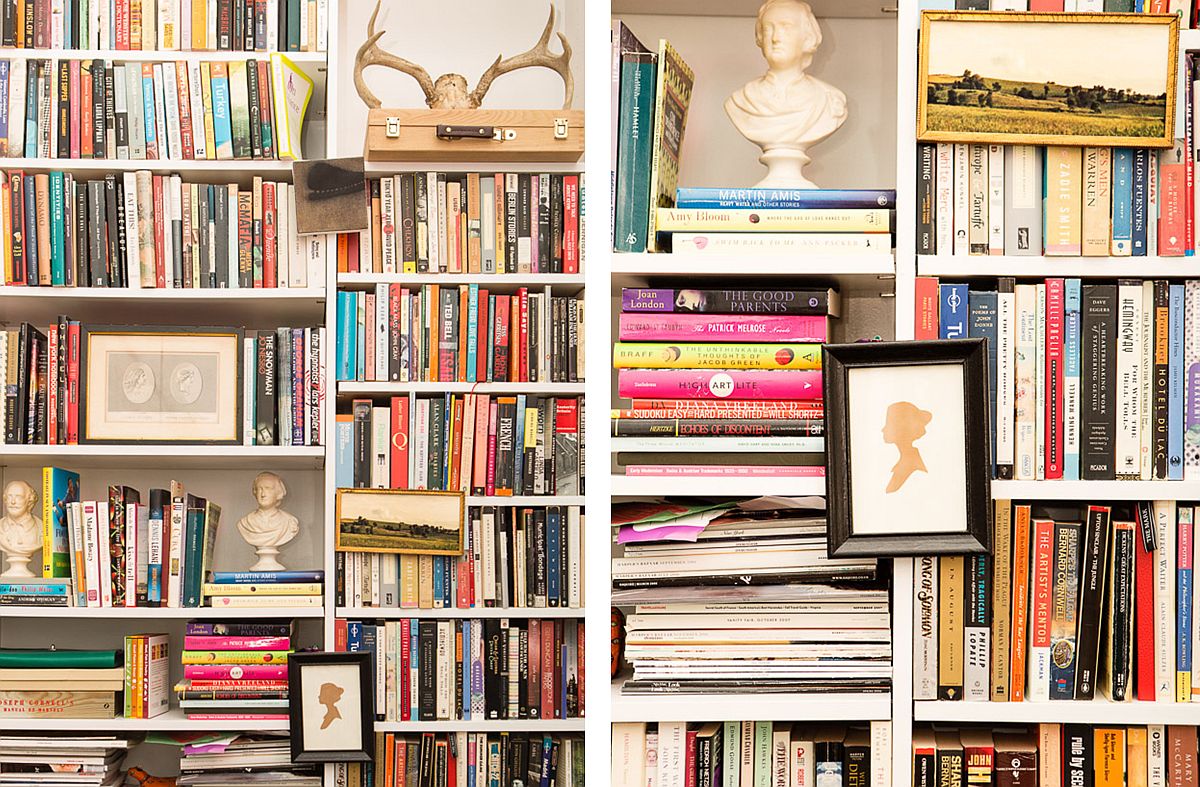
x=388 y=520
x=1081 y=79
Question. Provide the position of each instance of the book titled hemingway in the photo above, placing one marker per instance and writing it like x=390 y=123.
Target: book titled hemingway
x=723 y=384
x=773 y=220
x=665 y=355
x=779 y=302
x=722 y=328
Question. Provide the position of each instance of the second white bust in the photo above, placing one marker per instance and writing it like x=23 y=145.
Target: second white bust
x=268 y=527
x=785 y=111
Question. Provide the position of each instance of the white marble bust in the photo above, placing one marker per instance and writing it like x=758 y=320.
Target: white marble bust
x=268 y=527
x=785 y=111
x=20 y=530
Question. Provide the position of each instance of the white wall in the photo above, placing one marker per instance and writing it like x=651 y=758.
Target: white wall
x=857 y=56
x=469 y=36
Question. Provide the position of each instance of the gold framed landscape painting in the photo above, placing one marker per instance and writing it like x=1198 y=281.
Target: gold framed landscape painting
x=1048 y=79
x=403 y=521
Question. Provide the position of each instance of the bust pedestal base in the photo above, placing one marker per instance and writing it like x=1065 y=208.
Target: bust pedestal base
x=785 y=168
x=267 y=560
x=18 y=567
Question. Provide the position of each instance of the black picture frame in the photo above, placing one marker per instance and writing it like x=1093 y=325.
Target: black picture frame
x=838 y=361
x=364 y=662
x=162 y=434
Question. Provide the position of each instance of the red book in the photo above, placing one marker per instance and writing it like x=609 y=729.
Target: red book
x=343 y=264
x=405 y=666
x=270 y=274
x=352 y=252
x=81 y=118
x=52 y=384
x=72 y=383
x=490 y=488
x=1143 y=615
x=1046 y=5
x=1172 y=199
x=1054 y=378
x=548 y=659
x=399 y=455
x=535 y=667
x=500 y=349
x=479 y=467
x=340 y=636
x=523 y=338
x=570 y=240
x=366 y=329
x=122 y=24
x=1040 y=612
x=925 y=311
x=160 y=270
x=482 y=350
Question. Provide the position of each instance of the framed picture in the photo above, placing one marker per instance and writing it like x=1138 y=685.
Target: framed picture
x=142 y=384
x=1048 y=79
x=908 y=448
x=400 y=520
x=331 y=706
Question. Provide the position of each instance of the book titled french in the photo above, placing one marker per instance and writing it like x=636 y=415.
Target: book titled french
x=725 y=384
x=722 y=328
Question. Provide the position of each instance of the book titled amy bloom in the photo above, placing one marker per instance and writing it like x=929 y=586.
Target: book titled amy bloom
x=723 y=384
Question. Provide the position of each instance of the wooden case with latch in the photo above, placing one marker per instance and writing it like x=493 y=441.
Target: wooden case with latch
x=502 y=135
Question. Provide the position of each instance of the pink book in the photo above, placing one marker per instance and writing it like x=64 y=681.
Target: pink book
x=235 y=671
x=722 y=328
x=719 y=384
x=238 y=716
x=196 y=642
x=482 y=446
x=730 y=471
x=533 y=223
x=1171 y=196
x=491 y=458
x=76 y=101
x=367 y=331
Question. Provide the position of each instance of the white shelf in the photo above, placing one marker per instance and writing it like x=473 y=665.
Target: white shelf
x=1097 y=491
x=391 y=613
x=159 y=613
x=266 y=167
x=265 y=307
x=204 y=295
x=393 y=167
x=484 y=725
x=822 y=8
x=720 y=707
x=155 y=55
x=1098 y=711
x=717 y=486
x=224 y=457
x=394 y=389
x=172 y=720
x=853 y=272
x=499 y=280
x=526 y=500
x=966 y=266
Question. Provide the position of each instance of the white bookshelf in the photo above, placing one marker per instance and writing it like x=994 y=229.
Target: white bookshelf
x=971 y=266
x=232 y=457
x=174 y=720
x=1098 y=711
x=484 y=725
x=671 y=486
x=839 y=706
x=571 y=282
x=161 y=613
x=1095 y=491
x=397 y=389
x=516 y=613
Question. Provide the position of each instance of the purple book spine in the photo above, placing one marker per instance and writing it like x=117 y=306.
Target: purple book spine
x=1191 y=361
x=720 y=328
x=727 y=384
x=639 y=299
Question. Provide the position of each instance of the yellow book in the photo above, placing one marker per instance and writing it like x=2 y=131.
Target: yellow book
x=1136 y=757
x=235 y=656
x=425 y=577
x=409 y=594
x=1063 y=200
x=200 y=26
x=210 y=140
x=291 y=90
x=950 y=623
x=671 y=355
x=772 y=220
x=1097 y=201
x=1109 y=757
x=672 y=95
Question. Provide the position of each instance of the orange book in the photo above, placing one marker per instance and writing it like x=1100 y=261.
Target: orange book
x=1109 y=756
x=460 y=368
x=343 y=264
x=474 y=241
x=86 y=141
x=389 y=759
x=456 y=441
x=1020 y=602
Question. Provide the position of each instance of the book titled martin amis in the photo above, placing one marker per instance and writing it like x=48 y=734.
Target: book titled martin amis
x=716 y=198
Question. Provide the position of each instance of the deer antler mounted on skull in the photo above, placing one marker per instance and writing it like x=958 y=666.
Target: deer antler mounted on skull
x=449 y=91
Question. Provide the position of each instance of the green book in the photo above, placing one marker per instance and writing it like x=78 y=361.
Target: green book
x=59 y=487
x=58 y=246
x=18 y=658
x=634 y=147
x=763 y=734
x=193 y=545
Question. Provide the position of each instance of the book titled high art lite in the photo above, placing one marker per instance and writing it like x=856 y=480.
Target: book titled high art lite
x=731 y=384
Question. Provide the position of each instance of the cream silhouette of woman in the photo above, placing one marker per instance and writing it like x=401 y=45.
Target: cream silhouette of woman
x=905 y=424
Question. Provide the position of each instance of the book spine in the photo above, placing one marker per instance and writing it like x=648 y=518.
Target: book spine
x=950 y=627
x=1053 y=414
x=977 y=631
x=1041 y=563
x=1064 y=610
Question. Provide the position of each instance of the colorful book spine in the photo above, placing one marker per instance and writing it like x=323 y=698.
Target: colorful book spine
x=731 y=385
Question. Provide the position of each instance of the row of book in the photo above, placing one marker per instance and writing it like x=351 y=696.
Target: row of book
x=1047 y=754
x=741 y=597
x=87 y=684
x=254 y=758
x=748 y=753
x=153 y=231
x=1028 y=200
x=504 y=759
x=512 y=557
x=459 y=334
x=89 y=109
x=474 y=222
x=1073 y=600
x=1087 y=380
x=1181 y=7
x=282 y=384
x=472 y=669
x=87 y=760
x=240 y=670
x=739 y=371
x=262 y=25
x=477 y=443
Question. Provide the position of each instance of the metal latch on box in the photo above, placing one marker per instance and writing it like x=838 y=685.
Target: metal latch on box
x=392 y=131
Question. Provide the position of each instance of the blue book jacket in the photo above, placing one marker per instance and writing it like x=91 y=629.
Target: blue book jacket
x=716 y=198
x=1071 y=390
x=1122 y=201
x=953 y=311
x=1138 y=211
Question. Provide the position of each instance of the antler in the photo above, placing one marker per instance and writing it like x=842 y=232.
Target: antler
x=540 y=55
x=369 y=54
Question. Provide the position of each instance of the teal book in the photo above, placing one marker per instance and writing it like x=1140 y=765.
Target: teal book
x=59 y=488
x=222 y=123
x=21 y=658
x=193 y=551
x=151 y=125
x=635 y=147
x=58 y=246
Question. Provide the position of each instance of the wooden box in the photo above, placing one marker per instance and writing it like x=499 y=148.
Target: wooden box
x=533 y=135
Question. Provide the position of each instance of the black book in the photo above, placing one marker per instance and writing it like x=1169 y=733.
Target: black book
x=248 y=38
x=532 y=335
x=491 y=667
x=543 y=262
x=64 y=109
x=426 y=767
x=339 y=581
x=406 y=211
x=857 y=750
x=504 y=644
x=361 y=410
x=926 y=242
x=238 y=24
x=510 y=223
x=523 y=674
x=420 y=210
x=427 y=686
x=573 y=371
x=506 y=560
x=1160 y=382
x=556 y=224
x=110 y=114
x=441 y=765
x=1078 y=755
x=563 y=552
x=265 y=404
x=96 y=235
x=254 y=95
x=533 y=759
x=40 y=369
x=81 y=240
x=924 y=759
x=1093 y=572
x=505 y=435
x=116 y=256
x=526 y=525
x=204 y=262
x=98 y=98
x=220 y=219
x=1120 y=605
x=8 y=24
x=541 y=559
x=16 y=412
x=950 y=770
x=437 y=417
x=1098 y=382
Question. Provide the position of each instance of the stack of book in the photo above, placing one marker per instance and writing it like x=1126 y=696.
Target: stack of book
x=1184 y=9
x=283 y=384
x=89 y=109
x=59 y=760
x=513 y=557
x=745 y=602
x=453 y=222
x=472 y=669
x=721 y=378
x=1075 y=601
x=68 y=684
x=147 y=675
x=232 y=589
x=1088 y=381
x=478 y=443
x=145 y=230
x=459 y=334
x=748 y=753
x=507 y=759
x=235 y=670
x=1054 y=754
x=259 y=758
x=301 y=25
